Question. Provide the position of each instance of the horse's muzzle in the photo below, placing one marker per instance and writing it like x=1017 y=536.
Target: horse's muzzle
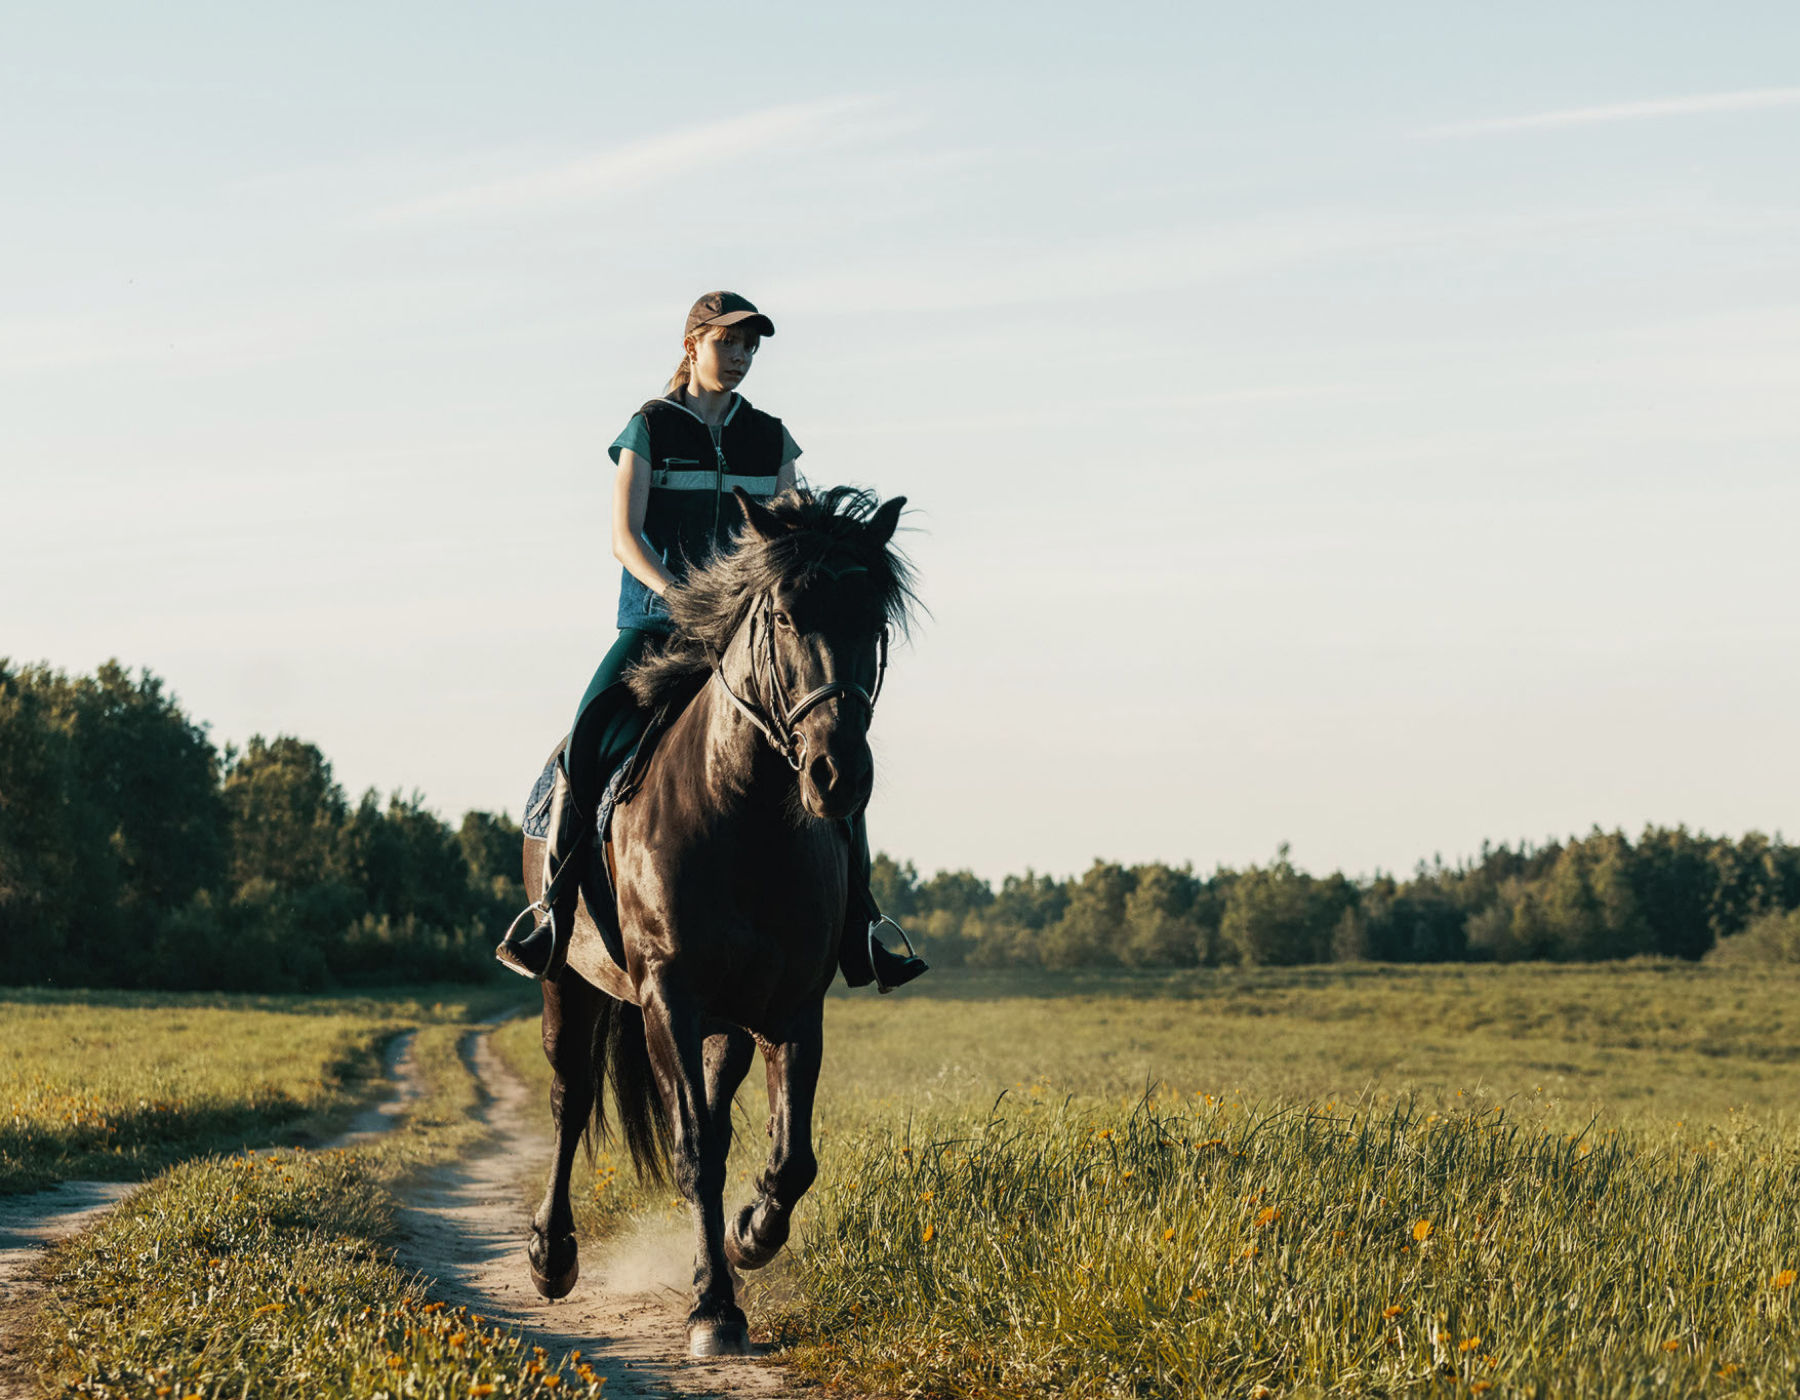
x=831 y=793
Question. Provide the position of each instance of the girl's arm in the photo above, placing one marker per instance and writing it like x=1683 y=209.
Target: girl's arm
x=784 y=479
x=631 y=498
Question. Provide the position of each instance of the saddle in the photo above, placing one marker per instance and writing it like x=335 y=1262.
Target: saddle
x=597 y=873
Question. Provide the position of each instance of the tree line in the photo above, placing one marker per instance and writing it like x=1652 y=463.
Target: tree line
x=1672 y=893
x=134 y=852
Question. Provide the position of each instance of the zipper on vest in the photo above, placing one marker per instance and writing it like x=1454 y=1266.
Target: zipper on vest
x=718 y=479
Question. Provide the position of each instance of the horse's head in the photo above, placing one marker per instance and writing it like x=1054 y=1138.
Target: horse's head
x=792 y=623
x=814 y=643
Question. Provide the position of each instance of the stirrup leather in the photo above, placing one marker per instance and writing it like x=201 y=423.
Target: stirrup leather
x=874 y=966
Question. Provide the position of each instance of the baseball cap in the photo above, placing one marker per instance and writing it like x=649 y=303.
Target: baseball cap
x=727 y=309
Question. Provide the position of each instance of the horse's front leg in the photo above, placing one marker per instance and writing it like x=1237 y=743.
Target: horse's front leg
x=761 y=1228
x=571 y=1006
x=676 y=1035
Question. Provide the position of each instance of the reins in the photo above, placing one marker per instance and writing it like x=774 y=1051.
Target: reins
x=776 y=719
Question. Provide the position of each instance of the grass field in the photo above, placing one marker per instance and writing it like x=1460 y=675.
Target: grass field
x=115 y=1085
x=270 y=1273
x=1555 y=1180
x=1558 y=1181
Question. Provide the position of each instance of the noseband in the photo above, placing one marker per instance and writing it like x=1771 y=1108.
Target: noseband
x=776 y=718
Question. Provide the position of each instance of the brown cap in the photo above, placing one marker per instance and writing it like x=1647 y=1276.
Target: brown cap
x=727 y=309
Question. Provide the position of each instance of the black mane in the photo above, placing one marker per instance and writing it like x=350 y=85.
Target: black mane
x=709 y=605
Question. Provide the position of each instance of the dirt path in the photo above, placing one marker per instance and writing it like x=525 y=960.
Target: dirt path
x=627 y=1315
x=30 y=1224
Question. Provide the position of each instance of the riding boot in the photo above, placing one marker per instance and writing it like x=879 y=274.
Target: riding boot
x=542 y=952
x=862 y=956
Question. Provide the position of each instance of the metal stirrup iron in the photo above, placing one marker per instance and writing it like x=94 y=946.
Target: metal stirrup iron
x=536 y=907
x=874 y=966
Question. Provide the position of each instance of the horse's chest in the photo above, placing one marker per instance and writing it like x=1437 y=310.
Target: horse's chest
x=751 y=915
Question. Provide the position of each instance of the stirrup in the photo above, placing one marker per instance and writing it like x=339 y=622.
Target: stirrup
x=532 y=911
x=874 y=966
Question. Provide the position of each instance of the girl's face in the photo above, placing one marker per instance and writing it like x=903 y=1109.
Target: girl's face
x=721 y=358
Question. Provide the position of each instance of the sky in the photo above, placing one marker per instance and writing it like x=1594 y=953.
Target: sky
x=1369 y=428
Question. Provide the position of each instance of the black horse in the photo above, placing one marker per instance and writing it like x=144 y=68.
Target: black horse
x=731 y=864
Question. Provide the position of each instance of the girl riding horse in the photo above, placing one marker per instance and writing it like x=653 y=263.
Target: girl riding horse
x=679 y=459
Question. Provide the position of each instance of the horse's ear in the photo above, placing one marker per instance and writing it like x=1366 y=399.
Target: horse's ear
x=883 y=522
x=761 y=521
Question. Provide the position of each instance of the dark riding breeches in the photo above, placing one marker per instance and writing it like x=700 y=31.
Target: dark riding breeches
x=608 y=722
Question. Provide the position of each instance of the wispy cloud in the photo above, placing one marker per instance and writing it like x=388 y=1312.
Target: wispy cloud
x=657 y=159
x=1753 y=99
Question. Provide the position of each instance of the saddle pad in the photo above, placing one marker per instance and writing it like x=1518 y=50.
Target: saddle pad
x=536 y=820
x=536 y=823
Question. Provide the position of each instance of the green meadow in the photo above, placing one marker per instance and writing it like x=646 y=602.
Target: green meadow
x=115 y=1085
x=269 y=1271
x=1569 y=1180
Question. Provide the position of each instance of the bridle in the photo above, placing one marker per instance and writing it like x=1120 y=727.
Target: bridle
x=774 y=716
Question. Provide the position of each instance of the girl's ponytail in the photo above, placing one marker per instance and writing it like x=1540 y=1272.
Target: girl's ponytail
x=678 y=380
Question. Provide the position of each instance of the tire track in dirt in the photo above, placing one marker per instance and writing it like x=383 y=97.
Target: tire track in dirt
x=31 y=1224
x=467 y=1228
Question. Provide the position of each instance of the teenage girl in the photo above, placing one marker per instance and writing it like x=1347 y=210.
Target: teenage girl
x=678 y=461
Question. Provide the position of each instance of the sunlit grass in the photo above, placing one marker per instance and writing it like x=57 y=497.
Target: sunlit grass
x=273 y=1273
x=1193 y=1248
x=115 y=1085
x=1573 y=1180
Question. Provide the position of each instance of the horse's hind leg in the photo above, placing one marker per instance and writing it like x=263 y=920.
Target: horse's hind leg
x=676 y=1035
x=571 y=1008
x=760 y=1229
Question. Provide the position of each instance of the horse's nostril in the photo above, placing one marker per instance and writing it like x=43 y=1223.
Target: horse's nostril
x=823 y=772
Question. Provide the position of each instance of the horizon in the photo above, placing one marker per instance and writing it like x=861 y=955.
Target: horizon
x=1372 y=433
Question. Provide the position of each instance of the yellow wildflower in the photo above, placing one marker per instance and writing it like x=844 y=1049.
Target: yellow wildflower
x=1673 y=1344
x=930 y=1231
x=1784 y=1279
x=1468 y=1344
x=1394 y=1311
x=1421 y=1230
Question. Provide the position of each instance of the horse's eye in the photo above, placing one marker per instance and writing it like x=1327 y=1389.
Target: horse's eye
x=783 y=621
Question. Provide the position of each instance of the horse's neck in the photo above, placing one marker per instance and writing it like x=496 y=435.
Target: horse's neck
x=724 y=755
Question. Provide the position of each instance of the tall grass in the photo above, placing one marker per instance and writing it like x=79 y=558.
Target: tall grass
x=1568 y=1181
x=117 y=1084
x=274 y=1275
x=1215 y=1249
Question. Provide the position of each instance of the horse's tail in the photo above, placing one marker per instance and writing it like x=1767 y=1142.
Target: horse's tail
x=622 y=1061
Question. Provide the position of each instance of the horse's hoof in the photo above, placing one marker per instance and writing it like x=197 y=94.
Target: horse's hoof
x=554 y=1265
x=744 y=1248
x=725 y=1337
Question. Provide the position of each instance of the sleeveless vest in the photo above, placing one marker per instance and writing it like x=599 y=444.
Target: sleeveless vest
x=691 y=512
